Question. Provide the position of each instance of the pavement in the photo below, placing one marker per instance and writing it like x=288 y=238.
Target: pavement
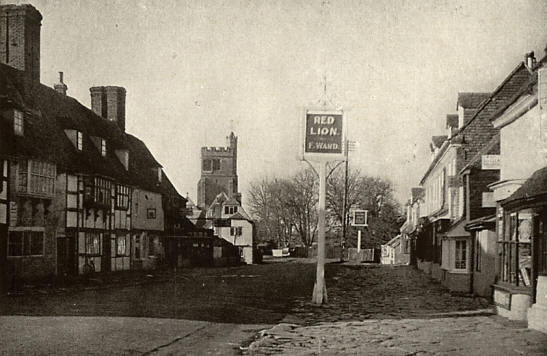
x=24 y=335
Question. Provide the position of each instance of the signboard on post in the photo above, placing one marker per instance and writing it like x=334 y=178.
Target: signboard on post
x=360 y=218
x=324 y=135
x=323 y=139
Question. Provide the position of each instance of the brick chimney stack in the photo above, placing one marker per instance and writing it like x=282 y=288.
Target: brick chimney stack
x=61 y=87
x=109 y=103
x=20 y=38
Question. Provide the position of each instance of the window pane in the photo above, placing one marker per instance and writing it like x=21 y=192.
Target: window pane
x=15 y=243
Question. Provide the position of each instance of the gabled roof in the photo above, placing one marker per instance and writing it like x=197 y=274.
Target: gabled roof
x=471 y=100
x=501 y=95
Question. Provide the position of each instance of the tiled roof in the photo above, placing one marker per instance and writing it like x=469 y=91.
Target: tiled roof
x=506 y=90
x=471 y=100
x=535 y=186
x=48 y=114
x=492 y=147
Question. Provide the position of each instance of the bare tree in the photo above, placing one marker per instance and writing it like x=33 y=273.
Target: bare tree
x=286 y=206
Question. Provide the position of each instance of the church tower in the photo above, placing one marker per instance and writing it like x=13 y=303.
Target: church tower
x=218 y=172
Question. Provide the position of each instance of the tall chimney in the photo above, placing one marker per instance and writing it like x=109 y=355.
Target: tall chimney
x=115 y=103
x=61 y=87
x=98 y=101
x=109 y=103
x=20 y=38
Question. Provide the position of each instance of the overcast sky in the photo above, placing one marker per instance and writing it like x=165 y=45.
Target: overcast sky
x=195 y=70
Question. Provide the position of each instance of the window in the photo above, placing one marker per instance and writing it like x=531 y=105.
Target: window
x=103 y=147
x=515 y=247
x=230 y=210
x=122 y=197
x=121 y=245
x=79 y=140
x=207 y=165
x=42 y=177
x=151 y=213
x=236 y=231
x=25 y=243
x=210 y=165
x=101 y=191
x=461 y=255
x=93 y=243
x=18 y=123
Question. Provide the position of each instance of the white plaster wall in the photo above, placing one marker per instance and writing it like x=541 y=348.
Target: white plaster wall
x=521 y=146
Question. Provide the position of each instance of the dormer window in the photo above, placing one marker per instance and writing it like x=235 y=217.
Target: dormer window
x=79 y=140
x=18 y=123
x=103 y=147
x=230 y=210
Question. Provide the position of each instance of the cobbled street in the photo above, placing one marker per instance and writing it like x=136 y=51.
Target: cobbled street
x=262 y=309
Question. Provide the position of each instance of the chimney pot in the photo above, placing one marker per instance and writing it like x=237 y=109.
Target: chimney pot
x=61 y=87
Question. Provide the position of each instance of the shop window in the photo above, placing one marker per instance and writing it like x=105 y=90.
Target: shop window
x=35 y=177
x=18 y=123
x=122 y=197
x=515 y=247
x=460 y=261
x=25 y=243
x=93 y=244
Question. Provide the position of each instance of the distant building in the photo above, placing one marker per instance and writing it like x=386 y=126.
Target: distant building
x=218 y=172
x=396 y=251
x=231 y=223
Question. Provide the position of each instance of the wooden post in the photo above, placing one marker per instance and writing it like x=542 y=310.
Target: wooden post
x=359 y=240
x=320 y=289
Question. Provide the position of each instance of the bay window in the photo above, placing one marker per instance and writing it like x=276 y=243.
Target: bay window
x=460 y=260
x=122 y=197
x=35 y=177
x=515 y=247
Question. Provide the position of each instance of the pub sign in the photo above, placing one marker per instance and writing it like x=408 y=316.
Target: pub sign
x=324 y=134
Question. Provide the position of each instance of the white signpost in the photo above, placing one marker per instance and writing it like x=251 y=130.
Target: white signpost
x=323 y=141
x=360 y=219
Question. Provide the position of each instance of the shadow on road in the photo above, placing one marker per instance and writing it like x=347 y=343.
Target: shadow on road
x=258 y=294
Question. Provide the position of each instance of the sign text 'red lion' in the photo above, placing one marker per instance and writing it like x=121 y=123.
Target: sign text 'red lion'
x=323 y=133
